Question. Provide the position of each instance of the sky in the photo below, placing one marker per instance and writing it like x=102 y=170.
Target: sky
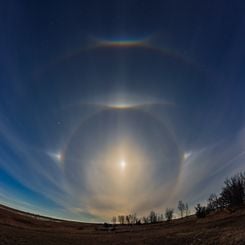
x=118 y=107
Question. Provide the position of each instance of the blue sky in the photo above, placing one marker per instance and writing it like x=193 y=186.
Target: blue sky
x=85 y=86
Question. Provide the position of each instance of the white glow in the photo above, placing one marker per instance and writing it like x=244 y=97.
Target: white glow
x=120 y=105
x=59 y=156
x=56 y=156
x=125 y=101
x=122 y=164
x=187 y=155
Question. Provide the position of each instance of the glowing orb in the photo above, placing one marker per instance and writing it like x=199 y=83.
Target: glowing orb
x=122 y=164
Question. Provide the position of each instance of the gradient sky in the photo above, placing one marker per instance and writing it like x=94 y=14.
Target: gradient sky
x=112 y=107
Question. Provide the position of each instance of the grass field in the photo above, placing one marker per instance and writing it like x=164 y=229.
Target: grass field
x=218 y=228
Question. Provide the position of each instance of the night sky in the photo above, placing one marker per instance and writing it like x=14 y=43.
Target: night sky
x=114 y=107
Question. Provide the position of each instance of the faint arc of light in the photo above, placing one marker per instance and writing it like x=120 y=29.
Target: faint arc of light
x=120 y=43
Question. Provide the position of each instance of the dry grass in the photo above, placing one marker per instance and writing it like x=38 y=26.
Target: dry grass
x=220 y=228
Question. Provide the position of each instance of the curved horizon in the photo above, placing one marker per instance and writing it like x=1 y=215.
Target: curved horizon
x=119 y=107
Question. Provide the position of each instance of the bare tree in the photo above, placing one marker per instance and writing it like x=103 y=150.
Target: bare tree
x=121 y=219
x=159 y=217
x=134 y=218
x=153 y=217
x=131 y=219
x=181 y=207
x=201 y=211
x=187 y=211
x=213 y=202
x=114 y=220
x=127 y=219
x=169 y=213
x=145 y=219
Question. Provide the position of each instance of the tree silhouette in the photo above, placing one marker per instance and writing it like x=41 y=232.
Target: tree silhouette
x=186 y=209
x=213 y=202
x=201 y=211
x=145 y=219
x=121 y=219
x=153 y=217
x=169 y=214
x=114 y=220
x=181 y=207
x=233 y=193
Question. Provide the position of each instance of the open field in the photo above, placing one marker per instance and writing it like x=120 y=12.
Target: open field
x=220 y=228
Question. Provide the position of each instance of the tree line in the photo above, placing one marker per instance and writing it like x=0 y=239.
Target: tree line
x=153 y=217
x=232 y=196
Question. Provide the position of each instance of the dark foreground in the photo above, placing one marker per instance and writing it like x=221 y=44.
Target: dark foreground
x=220 y=228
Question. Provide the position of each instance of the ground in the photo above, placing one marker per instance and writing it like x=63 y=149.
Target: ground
x=218 y=228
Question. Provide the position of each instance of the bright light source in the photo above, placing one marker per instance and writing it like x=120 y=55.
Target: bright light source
x=122 y=164
x=187 y=155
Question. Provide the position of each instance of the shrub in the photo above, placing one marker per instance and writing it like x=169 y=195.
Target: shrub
x=233 y=193
x=181 y=207
x=153 y=217
x=201 y=211
x=169 y=214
